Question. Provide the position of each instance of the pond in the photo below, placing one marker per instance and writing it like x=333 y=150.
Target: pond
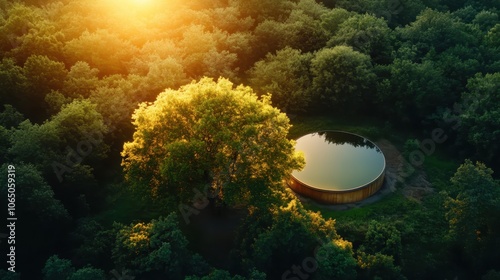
x=338 y=161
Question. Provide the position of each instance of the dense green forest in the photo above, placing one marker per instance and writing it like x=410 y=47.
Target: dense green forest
x=149 y=139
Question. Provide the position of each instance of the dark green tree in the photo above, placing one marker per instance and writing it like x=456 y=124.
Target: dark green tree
x=479 y=122
x=57 y=269
x=378 y=266
x=473 y=215
x=343 y=77
x=155 y=248
x=366 y=34
x=286 y=77
x=335 y=261
x=383 y=238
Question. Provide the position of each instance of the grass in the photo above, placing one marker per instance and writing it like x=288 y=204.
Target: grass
x=393 y=205
x=440 y=169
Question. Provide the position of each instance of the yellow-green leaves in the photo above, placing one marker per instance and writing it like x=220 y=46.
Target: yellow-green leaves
x=209 y=133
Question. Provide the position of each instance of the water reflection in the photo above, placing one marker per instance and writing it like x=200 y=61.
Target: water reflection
x=340 y=138
x=338 y=160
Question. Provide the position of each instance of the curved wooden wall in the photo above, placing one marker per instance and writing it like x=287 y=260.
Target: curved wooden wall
x=337 y=197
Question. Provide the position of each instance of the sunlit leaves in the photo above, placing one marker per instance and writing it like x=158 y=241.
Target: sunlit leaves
x=209 y=133
x=158 y=246
x=102 y=49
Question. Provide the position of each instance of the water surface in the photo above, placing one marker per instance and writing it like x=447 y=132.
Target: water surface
x=338 y=160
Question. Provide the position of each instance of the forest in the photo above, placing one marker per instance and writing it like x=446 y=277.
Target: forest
x=149 y=139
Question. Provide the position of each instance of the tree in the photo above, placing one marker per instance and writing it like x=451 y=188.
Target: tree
x=308 y=36
x=286 y=77
x=378 y=266
x=366 y=34
x=93 y=243
x=158 y=247
x=80 y=81
x=278 y=236
x=57 y=269
x=486 y=20
x=267 y=9
x=71 y=137
x=42 y=75
x=13 y=85
x=335 y=261
x=332 y=20
x=413 y=90
x=62 y=269
x=383 y=238
x=87 y=273
x=36 y=200
x=102 y=50
x=473 y=214
x=438 y=31
x=209 y=134
x=479 y=119
x=10 y=117
x=9 y=275
x=342 y=76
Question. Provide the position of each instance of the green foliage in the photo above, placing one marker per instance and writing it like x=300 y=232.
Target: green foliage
x=438 y=31
x=366 y=34
x=342 y=77
x=413 y=91
x=44 y=74
x=10 y=117
x=286 y=77
x=93 y=242
x=9 y=275
x=102 y=50
x=473 y=213
x=80 y=81
x=13 y=84
x=87 y=273
x=378 y=266
x=383 y=238
x=70 y=68
x=274 y=239
x=335 y=261
x=410 y=146
x=479 y=117
x=155 y=247
x=215 y=134
x=36 y=199
x=61 y=269
x=57 y=269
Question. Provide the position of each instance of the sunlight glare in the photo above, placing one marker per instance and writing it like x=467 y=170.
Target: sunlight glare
x=141 y=2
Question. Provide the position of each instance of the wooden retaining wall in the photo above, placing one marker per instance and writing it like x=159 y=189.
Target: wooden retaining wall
x=337 y=197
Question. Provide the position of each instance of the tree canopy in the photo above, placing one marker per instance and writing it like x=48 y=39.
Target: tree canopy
x=209 y=133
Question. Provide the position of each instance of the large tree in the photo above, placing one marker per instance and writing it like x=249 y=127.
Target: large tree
x=210 y=134
x=473 y=215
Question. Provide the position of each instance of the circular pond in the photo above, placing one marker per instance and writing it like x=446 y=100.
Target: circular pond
x=340 y=167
